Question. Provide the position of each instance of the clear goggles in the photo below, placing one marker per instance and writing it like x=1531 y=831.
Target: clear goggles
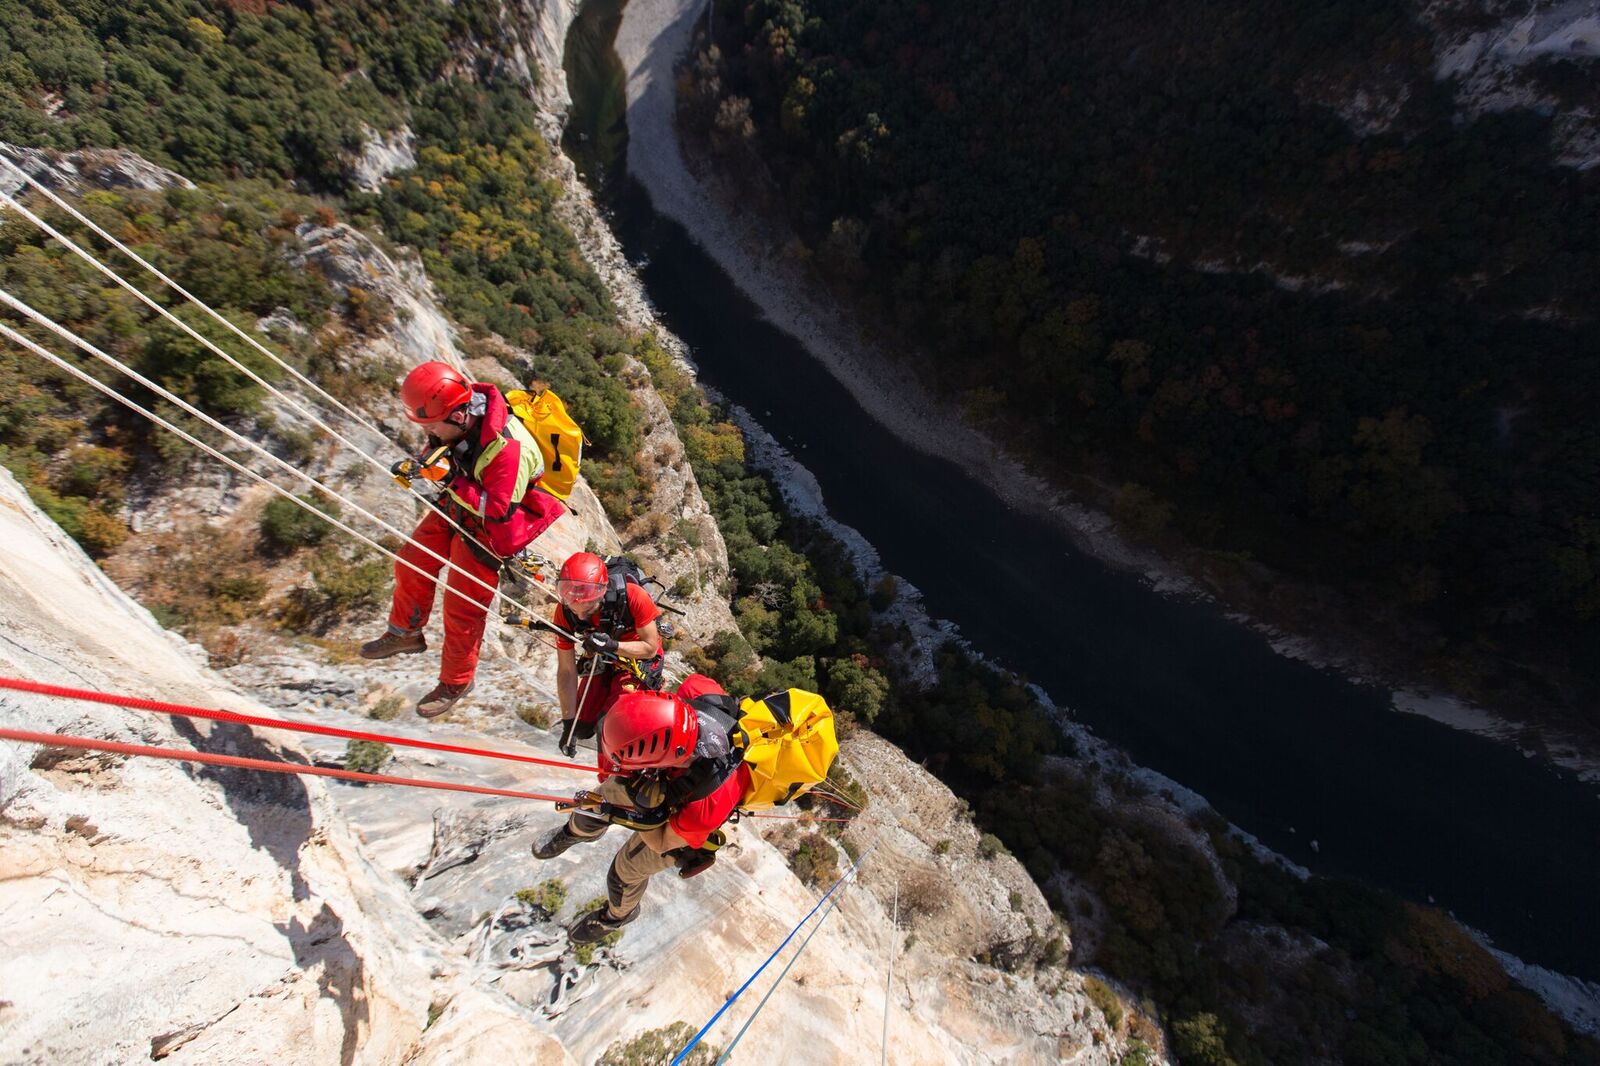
x=573 y=591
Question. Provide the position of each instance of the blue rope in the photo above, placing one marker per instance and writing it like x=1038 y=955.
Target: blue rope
x=690 y=1046
x=781 y=975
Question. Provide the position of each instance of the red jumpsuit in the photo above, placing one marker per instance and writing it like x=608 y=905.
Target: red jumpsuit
x=504 y=526
x=609 y=683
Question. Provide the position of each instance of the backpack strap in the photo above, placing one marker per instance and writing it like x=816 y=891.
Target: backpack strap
x=725 y=710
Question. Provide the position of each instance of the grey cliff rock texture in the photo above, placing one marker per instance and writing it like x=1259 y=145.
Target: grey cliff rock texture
x=180 y=913
x=96 y=168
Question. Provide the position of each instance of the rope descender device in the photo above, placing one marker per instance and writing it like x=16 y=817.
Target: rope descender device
x=432 y=466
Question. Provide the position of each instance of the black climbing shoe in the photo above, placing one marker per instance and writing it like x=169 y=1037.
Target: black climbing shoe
x=597 y=925
x=556 y=843
x=694 y=862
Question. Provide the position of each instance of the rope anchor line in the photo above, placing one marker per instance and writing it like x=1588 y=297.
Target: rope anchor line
x=145 y=298
x=273 y=766
x=138 y=703
x=704 y=1029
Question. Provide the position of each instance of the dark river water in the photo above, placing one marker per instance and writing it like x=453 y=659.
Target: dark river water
x=1291 y=753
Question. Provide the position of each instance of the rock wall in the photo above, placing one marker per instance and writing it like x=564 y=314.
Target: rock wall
x=156 y=910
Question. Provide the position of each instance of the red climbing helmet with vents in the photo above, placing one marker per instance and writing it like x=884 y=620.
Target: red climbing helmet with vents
x=649 y=731
x=432 y=390
x=582 y=580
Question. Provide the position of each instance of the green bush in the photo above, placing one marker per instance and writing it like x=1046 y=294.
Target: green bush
x=538 y=715
x=1202 y=1039
x=286 y=526
x=1139 y=1054
x=366 y=756
x=98 y=533
x=388 y=708
x=857 y=687
x=547 y=895
x=1107 y=1002
x=340 y=585
x=990 y=846
x=815 y=861
x=658 y=1047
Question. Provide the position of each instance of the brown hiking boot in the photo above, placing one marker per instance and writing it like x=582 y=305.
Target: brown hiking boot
x=596 y=925
x=394 y=644
x=556 y=843
x=441 y=699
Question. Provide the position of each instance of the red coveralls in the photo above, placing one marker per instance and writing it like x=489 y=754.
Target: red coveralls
x=505 y=528
x=609 y=682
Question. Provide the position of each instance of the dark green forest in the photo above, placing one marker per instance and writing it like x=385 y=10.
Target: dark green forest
x=1077 y=213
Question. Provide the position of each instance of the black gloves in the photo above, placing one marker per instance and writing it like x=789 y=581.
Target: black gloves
x=600 y=643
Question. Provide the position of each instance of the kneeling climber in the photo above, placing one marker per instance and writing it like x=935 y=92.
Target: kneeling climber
x=670 y=771
x=490 y=465
x=614 y=617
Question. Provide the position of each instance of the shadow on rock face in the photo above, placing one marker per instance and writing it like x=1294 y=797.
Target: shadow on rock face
x=273 y=808
x=343 y=977
x=276 y=811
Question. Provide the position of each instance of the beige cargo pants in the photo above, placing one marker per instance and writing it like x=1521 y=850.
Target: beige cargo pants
x=641 y=857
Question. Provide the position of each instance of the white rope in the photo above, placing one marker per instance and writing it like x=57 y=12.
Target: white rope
x=239 y=438
x=305 y=505
x=144 y=298
x=186 y=294
x=888 y=991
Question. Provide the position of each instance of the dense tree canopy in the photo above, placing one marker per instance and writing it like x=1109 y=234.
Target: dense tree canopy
x=1358 y=346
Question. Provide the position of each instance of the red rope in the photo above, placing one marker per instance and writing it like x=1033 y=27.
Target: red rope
x=821 y=793
x=61 y=740
x=139 y=704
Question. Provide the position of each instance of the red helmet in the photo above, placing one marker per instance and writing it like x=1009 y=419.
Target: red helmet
x=582 y=580
x=433 y=390
x=648 y=731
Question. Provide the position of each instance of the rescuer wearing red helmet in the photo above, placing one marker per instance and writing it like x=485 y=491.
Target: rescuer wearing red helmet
x=491 y=467
x=670 y=770
x=612 y=616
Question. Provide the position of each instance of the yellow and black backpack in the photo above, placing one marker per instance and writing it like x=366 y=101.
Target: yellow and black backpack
x=785 y=742
x=789 y=747
x=560 y=439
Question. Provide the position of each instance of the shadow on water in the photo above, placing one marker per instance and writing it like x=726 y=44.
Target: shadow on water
x=1321 y=769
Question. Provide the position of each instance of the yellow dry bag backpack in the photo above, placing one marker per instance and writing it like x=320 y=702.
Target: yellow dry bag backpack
x=559 y=438
x=790 y=745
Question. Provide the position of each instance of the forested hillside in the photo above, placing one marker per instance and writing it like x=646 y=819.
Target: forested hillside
x=289 y=95
x=1251 y=263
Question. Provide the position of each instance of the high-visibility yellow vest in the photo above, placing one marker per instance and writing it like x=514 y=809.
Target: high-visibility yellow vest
x=530 y=463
